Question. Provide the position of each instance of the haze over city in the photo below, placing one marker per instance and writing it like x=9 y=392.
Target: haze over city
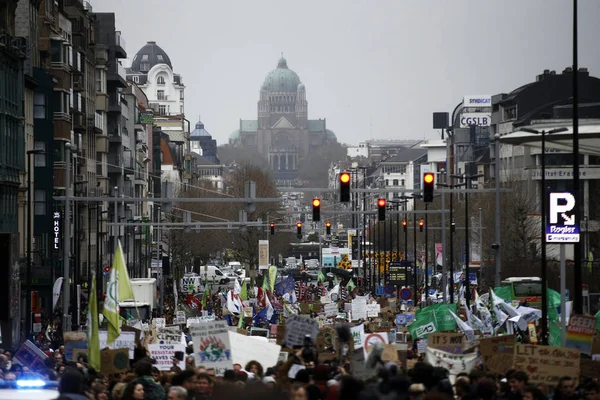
x=372 y=69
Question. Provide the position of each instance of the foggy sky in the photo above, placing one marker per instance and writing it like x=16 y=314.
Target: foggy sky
x=374 y=69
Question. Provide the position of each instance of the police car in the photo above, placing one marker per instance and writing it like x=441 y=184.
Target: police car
x=29 y=389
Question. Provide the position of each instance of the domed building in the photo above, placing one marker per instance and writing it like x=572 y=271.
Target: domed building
x=283 y=134
x=152 y=71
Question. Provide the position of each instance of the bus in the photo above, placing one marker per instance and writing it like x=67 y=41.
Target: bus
x=525 y=290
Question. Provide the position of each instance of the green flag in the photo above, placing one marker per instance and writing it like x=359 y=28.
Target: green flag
x=118 y=289
x=244 y=291
x=350 y=286
x=272 y=277
x=320 y=277
x=92 y=325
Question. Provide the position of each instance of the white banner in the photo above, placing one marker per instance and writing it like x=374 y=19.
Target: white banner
x=263 y=254
x=56 y=291
x=248 y=348
x=358 y=334
x=454 y=363
x=125 y=341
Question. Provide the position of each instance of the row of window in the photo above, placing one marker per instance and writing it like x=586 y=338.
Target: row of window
x=394 y=182
x=282 y=99
x=166 y=109
x=282 y=108
x=395 y=169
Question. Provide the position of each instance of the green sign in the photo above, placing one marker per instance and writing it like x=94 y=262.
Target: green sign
x=147 y=117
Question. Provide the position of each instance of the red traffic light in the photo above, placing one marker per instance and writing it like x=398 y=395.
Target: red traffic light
x=316 y=202
x=345 y=177
x=272 y=225
x=381 y=202
x=421 y=223
x=428 y=177
x=299 y=224
x=404 y=223
x=328 y=224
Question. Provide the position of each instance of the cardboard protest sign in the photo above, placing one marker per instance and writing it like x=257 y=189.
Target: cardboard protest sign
x=125 y=341
x=166 y=336
x=545 y=364
x=589 y=368
x=325 y=339
x=580 y=333
x=497 y=353
x=450 y=342
x=164 y=353
x=390 y=353
x=297 y=327
x=74 y=340
x=114 y=361
x=211 y=345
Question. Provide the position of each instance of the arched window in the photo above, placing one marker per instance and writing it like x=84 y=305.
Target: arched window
x=160 y=80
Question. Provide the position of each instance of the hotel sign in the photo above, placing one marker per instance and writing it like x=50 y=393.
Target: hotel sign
x=56 y=227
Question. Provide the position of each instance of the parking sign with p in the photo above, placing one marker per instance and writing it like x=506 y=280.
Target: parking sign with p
x=563 y=224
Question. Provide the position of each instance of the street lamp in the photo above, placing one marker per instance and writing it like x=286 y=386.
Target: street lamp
x=467 y=182
x=29 y=238
x=452 y=228
x=544 y=271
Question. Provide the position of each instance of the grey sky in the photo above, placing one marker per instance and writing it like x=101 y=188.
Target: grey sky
x=372 y=68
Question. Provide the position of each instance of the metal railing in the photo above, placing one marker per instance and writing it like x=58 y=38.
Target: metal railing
x=121 y=71
x=119 y=41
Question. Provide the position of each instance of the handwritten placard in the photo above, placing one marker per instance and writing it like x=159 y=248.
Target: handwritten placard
x=497 y=353
x=545 y=364
x=164 y=353
x=580 y=333
x=165 y=336
x=297 y=327
x=449 y=342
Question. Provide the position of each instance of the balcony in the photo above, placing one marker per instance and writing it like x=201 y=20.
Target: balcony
x=114 y=164
x=87 y=7
x=120 y=45
x=114 y=103
x=79 y=122
x=115 y=135
x=101 y=53
x=118 y=76
x=96 y=123
x=102 y=144
x=78 y=83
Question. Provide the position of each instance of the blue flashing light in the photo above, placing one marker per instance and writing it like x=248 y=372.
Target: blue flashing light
x=31 y=383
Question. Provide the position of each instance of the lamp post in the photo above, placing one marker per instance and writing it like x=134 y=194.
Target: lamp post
x=29 y=238
x=544 y=269
x=452 y=229
x=466 y=181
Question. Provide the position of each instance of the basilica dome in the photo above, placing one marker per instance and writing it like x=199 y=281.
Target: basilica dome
x=281 y=79
x=149 y=56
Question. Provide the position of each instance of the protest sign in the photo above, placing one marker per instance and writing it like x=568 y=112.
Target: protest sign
x=114 y=361
x=74 y=340
x=247 y=348
x=358 y=333
x=545 y=364
x=166 y=336
x=325 y=339
x=164 y=353
x=180 y=317
x=331 y=309
x=29 y=354
x=211 y=345
x=373 y=310
x=297 y=327
x=371 y=339
x=159 y=322
x=454 y=363
x=449 y=342
x=125 y=341
x=497 y=353
x=359 y=309
x=580 y=333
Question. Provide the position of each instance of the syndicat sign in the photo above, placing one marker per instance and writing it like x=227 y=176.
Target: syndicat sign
x=477 y=101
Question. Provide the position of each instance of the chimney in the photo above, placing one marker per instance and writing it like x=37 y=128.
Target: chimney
x=567 y=70
x=583 y=71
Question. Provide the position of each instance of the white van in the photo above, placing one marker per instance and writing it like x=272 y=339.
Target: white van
x=213 y=274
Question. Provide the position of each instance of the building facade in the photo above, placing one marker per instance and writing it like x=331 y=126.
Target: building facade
x=282 y=134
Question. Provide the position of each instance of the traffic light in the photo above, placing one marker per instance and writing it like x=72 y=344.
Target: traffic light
x=299 y=229
x=428 y=183
x=404 y=225
x=421 y=224
x=381 y=209
x=328 y=227
x=316 y=203
x=345 y=187
x=272 y=228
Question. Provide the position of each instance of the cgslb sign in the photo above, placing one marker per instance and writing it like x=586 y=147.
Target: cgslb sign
x=562 y=225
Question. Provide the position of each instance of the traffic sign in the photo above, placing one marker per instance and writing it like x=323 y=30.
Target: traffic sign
x=406 y=294
x=379 y=291
x=389 y=288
